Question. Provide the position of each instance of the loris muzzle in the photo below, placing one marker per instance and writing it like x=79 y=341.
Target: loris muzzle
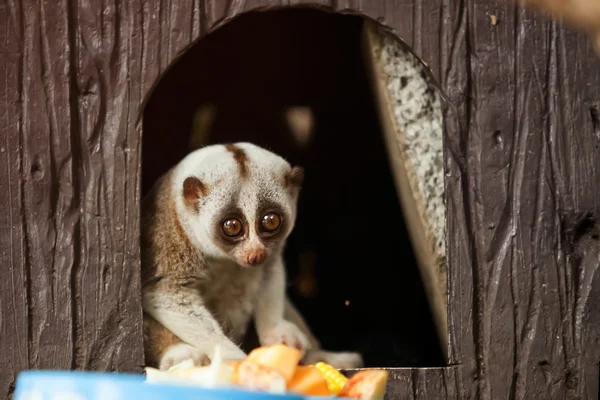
x=213 y=233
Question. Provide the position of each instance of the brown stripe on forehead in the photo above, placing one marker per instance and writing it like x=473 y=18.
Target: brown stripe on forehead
x=240 y=158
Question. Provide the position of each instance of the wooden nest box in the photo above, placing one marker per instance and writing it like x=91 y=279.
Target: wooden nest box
x=453 y=146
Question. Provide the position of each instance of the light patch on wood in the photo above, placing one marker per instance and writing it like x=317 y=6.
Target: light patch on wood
x=201 y=124
x=580 y=14
x=300 y=121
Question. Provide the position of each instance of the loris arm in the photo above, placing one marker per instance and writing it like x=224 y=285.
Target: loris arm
x=271 y=326
x=180 y=308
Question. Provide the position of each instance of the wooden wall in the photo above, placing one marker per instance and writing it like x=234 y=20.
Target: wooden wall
x=69 y=184
x=523 y=176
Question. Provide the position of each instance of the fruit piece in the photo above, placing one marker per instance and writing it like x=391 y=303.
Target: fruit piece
x=235 y=365
x=279 y=357
x=367 y=384
x=253 y=376
x=217 y=374
x=309 y=381
x=155 y=375
x=182 y=365
x=334 y=378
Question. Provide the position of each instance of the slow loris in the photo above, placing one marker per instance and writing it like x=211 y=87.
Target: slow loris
x=213 y=233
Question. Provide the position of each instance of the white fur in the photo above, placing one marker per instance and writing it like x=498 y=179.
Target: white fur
x=285 y=332
x=216 y=168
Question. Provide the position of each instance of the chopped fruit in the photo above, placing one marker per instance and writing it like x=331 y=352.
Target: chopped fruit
x=274 y=369
x=309 y=381
x=334 y=378
x=253 y=376
x=155 y=375
x=182 y=366
x=367 y=384
x=279 y=357
x=235 y=365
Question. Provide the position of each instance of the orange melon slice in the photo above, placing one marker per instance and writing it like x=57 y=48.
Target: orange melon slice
x=279 y=357
x=367 y=384
x=308 y=381
x=253 y=376
x=236 y=366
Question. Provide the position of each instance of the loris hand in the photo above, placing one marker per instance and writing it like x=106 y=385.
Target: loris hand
x=287 y=333
x=181 y=352
x=232 y=353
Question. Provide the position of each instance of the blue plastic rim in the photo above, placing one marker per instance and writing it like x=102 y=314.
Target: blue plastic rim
x=79 y=385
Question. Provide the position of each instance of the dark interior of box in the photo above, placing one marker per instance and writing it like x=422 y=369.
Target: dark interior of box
x=351 y=268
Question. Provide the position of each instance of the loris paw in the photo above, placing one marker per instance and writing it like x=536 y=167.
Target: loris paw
x=339 y=360
x=287 y=333
x=180 y=352
x=233 y=353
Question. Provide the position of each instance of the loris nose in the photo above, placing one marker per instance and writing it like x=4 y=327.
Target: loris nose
x=256 y=257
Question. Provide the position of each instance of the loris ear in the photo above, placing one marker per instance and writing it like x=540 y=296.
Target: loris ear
x=295 y=178
x=192 y=189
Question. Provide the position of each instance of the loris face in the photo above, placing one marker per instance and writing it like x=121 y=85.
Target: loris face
x=237 y=202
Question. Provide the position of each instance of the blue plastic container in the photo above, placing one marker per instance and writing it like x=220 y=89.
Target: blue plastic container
x=76 y=385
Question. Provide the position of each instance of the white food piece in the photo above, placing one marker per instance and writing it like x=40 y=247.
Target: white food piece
x=217 y=374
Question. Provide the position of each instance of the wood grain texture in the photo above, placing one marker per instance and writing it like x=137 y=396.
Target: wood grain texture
x=523 y=172
x=70 y=165
x=523 y=164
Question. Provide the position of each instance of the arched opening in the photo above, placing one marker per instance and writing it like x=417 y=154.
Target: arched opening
x=296 y=82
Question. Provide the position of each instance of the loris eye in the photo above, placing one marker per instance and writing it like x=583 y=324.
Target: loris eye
x=270 y=222
x=232 y=227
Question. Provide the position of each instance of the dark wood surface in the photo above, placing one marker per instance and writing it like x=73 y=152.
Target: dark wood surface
x=69 y=184
x=523 y=176
x=523 y=168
